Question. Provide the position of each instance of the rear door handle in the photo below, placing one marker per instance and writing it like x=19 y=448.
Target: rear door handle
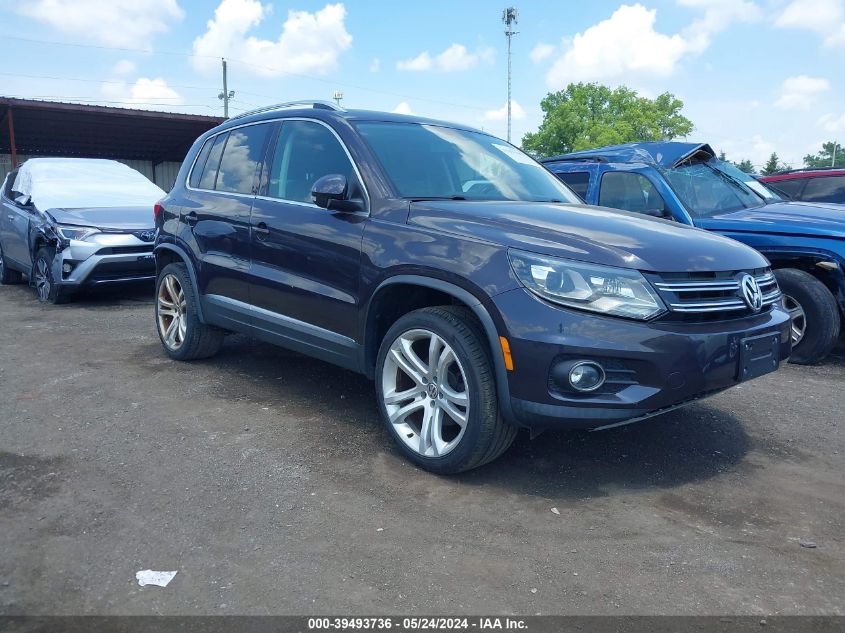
x=261 y=230
x=191 y=218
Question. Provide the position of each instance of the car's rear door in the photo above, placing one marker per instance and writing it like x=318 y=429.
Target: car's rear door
x=306 y=259
x=216 y=214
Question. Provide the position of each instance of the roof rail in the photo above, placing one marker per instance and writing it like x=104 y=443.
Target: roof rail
x=798 y=170
x=319 y=105
x=567 y=158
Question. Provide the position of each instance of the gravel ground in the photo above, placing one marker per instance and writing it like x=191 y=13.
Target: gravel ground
x=266 y=479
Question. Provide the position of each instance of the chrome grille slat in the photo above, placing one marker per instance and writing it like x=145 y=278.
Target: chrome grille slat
x=713 y=295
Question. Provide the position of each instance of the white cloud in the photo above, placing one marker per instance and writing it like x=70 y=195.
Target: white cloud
x=124 y=67
x=501 y=114
x=755 y=148
x=833 y=123
x=112 y=22
x=799 y=93
x=824 y=17
x=145 y=91
x=718 y=15
x=542 y=51
x=375 y=65
x=624 y=43
x=403 y=108
x=627 y=42
x=308 y=43
x=454 y=58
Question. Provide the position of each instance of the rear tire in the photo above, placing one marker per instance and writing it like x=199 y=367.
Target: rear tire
x=815 y=313
x=423 y=410
x=182 y=334
x=7 y=275
x=46 y=288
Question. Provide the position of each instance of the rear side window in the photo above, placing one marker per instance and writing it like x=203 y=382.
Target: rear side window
x=242 y=156
x=578 y=181
x=825 y=189
x=199 y=163
x=629 y=191
x=791 y=188
x=209 y=171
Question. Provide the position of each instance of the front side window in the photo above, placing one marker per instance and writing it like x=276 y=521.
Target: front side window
x=789 y=188
x=825 y=189
x=242 y=155
x=306 y=151
x=707 y=191
x=432 y=161
x=631 y=192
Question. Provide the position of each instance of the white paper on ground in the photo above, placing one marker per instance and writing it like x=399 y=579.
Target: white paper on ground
x=150 y=577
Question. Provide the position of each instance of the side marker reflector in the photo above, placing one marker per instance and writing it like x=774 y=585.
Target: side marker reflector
x=506 y=352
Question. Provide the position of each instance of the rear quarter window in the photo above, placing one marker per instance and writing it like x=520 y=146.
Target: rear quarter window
x=578 y=181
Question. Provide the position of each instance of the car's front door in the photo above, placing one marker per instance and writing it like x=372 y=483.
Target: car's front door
x=15 y=224
x=215 y=216
x=306 y=259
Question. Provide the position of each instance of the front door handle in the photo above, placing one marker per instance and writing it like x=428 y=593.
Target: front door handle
x=191 y=218
x=261 y=230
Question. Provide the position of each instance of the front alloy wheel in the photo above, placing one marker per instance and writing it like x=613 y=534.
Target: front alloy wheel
x=171 y=311
x=799 y=319
x=43 y=279
x=425 y=393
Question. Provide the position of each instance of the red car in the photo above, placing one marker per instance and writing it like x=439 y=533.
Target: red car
x=825 y=184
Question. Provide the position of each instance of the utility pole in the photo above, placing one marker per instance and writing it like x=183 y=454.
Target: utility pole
x=833 y=159
x=226 y=94
x=509 y=17
x=338 y=97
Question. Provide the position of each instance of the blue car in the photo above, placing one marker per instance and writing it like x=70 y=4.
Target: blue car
x=686 y=183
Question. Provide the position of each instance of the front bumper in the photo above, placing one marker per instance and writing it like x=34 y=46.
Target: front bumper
x=661 y=365
x=105 y=258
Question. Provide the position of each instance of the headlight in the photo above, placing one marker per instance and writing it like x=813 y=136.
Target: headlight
x=77 y=232
x=614 y=291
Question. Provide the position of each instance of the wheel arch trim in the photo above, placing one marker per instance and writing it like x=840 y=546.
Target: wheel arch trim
x=179 y=252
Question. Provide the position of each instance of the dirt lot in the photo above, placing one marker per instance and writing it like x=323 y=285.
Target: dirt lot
x=267 y=481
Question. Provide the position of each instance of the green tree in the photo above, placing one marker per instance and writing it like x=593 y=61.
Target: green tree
x=722 y=156
x=773 y=165
x=825 y=158
x=591 y=115
x=746 y=166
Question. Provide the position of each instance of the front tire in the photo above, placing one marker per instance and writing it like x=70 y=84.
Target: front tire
x=182 y=334
x=814 y=312
x=437 y=392
x=46 y=288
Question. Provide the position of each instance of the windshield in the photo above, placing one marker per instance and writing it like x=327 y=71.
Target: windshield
x=432 y=161
x=712 y=187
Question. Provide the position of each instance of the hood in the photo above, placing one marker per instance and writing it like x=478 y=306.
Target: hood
x=665 y=154
x=785 y=218
x=589 y=234
x=115 y=218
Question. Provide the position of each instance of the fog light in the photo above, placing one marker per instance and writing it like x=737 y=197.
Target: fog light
x=586 y=376
x=66 y=268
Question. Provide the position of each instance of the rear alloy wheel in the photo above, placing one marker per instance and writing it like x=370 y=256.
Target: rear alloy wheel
x=437 y=391
x=182 y=334
x=814 y=312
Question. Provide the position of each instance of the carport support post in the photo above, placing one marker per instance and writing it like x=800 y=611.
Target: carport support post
x=12 y=139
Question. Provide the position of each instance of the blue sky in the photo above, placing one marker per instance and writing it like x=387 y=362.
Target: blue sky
x=756 y=76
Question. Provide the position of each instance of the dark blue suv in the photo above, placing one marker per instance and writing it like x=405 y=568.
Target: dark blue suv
x=685 y=182
x=455 y=271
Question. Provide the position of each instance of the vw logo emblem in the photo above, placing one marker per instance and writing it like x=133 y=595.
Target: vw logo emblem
x=751 y=292
x=432 y=390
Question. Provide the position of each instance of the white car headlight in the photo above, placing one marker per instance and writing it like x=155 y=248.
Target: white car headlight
x=614 y=291
x=77 y=232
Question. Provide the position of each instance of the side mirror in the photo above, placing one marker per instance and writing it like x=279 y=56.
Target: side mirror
x=332 y=192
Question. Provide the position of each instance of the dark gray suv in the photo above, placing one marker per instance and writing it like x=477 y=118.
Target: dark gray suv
x=458 y=273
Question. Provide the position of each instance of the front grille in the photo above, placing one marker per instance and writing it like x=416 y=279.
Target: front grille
x=712 y=296
x=126 y=250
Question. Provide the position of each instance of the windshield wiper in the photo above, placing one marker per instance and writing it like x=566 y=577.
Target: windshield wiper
x=424 y=198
